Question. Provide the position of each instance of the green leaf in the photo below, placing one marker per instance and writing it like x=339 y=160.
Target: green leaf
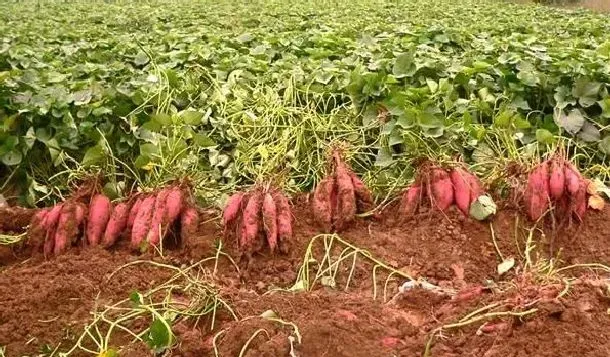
x=159 y=335
x=586 y=91
x=605 y=105
x=142 y=162
x=604 y=145
x=482 y=208
x=93 y=155
x=136 y=298
x=429 y=120
x=544 y=136
x=572 y=122
x=12 y=158
x=141 y=58
x=191 y=117
x=149 y=150
x=383 y=158
x=589 y=133
x=203 y=140
x=161 y=118
x=245 y=37
x=403 y=66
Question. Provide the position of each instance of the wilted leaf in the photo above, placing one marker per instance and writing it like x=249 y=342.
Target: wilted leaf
x=482 y=208
x=12 y=158
x=589 y=133
x=141 y=58
x=506 y=265
x=269 y=314
x=572 y=122
x=604 y=145
x=596 y=202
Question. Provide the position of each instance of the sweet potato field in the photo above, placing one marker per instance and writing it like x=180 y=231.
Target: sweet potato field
x=199 y=178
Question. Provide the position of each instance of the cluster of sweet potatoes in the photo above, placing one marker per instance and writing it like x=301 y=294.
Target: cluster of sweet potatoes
x=260 y=212
x=556 y=183
x=339 y=196
x=442 y=187
x=146 y=218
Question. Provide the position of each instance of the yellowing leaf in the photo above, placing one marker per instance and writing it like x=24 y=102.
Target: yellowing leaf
x=596 y=202
x=506 y=265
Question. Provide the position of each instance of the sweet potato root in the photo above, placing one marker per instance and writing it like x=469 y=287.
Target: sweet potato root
x=284 y=222
x=579 y=201
x=557 y=181
x=323 y=203
x=232 y=209
x=346 y=199
x=50 y=225
x=536 y=194
x=251 y=221
x=440 y=189
x=159 y=216
x=189 y=221
x=100 y=209
x=116 y=224
x=174 y=204
x=409 y=202
x=364 y=197
x=141 y=224
x=133 y=212
x=67 y=228
x=270 y=221
x=466 y=187
x=572 y=178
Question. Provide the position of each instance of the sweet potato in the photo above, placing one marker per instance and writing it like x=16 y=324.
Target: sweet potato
x=557 y=179
x=284 y=222
x=133 y=212
x=409 y=202
x=572 y=178
x=251 y=221
x=50 y=224
x=141 y=224
x=270 y=221
x=579 y=201
x=36 y=231
x=346 y=198
x=67 y=228
x=323 y=203
x=159 y=217
x=116 y=224
x=461 y=189
x=364 y=197
x=189 y=221
x=232 y=208
x=536 y=194
x=440 y=189
x=99 y=214
x=174 y=204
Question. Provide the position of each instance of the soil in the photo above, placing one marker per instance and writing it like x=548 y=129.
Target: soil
x=45 y=304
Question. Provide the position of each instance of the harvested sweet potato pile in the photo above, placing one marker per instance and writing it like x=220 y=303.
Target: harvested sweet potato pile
x=339 y=196
x=258 y=216
x=442 y=188
x=145 y=218
x=556 y=183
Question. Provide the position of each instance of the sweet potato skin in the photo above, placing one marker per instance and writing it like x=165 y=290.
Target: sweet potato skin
x=323 y=204
x=141 y=224
x=557 y=181
x=99 y=214
x=284 y=222
x=67 y=228
x=364 y=197
x=174 y=204
x=346 y=198
x=409 y=202
x=536 y=194
x=232 y=208
x=441 y=189
x=270 y=221
x=189 y=221
x=116 y=224
x=572 y=178
x=579 y=201
x=251 y=222
x=133 y=212
x=159 y=217
x=50 y=225
x=461 y=188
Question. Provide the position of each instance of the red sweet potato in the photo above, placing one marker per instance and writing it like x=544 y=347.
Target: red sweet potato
x=466 y=188
x=346 y=198
x=251 y=221
x=557 y=179
x=174 y=204
x=133 y=212
x=189 y=221
x=572 y=178
x=50 y=224
x=270 y=221
x=440 y=189
x=323 y=204
x=141 y=224
x=67 y=228
x=409 y=202
x=36 y=231
x=159 y=216
x=116 y=224
x=232 y=208
x=99 y=214
x=579 y=201
x=284 y=222
x=536 y=194
x=364 y=197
